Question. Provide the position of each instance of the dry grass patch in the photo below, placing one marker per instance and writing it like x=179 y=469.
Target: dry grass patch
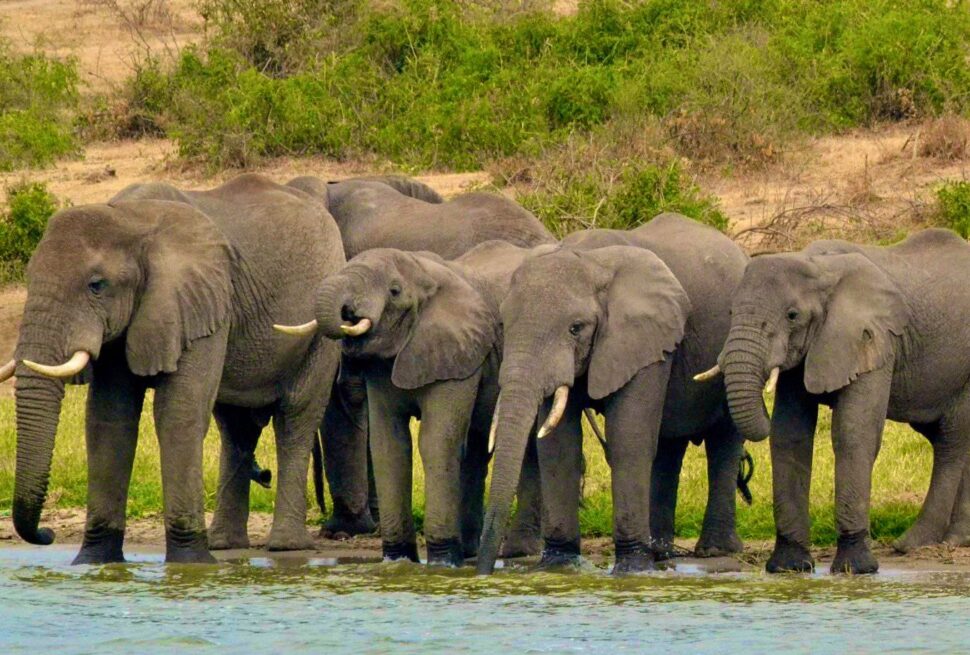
x=946 y=138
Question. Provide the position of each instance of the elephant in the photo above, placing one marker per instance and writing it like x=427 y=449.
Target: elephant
x=424 y=332
x=873 y=332
x=402 y=213
x=176 y=291
x=618 y=321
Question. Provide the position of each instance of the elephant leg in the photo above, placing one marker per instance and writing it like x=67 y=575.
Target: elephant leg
x=664 y=482
x=560 y=455
x=718 y=534
x=114 y=407
x=183 y=405
x=858 y=418
x=525 y=534
x=792 y=441
x=950 y=450
x=390 y=446
x=345 y=459
x=958 y=533
x=239 y=433
x=633 y=415
x=474 y=469
x=446 y=410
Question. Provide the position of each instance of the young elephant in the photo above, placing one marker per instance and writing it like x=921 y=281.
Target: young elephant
x=873 y=332
x=425 y=334
x=174 y=291
x=402 y=213
x=621 y=329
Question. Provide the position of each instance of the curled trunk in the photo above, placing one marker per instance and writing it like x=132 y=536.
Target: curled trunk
x=514 y=421
x=38 y=401
x=745 y=363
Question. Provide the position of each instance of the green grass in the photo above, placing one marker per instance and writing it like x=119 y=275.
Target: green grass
x=899 y=483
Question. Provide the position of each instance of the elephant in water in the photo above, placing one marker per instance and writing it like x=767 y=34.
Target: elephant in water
x=424 y=332
x=401 y=213
x=619 y=321
x=176 y=291
x=873 y=332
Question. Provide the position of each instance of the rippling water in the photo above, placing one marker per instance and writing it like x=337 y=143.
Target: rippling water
x=266 y=606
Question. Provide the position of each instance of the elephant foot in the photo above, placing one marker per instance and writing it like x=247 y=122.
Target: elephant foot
x=344 y=526
x=633 y=557
x=663 y=549
x=222 y=539
x=957 y=538
x=394 y=552
x=916 y=537
x=447 y=552
x=852 y=555
x=293 y=539
x=718 y=546
x=186 y=556
x=521 y=544
x=789 y=557
x=560 y=555
x=101 y=547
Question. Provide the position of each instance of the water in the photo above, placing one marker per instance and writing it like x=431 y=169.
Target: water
x=295 y=606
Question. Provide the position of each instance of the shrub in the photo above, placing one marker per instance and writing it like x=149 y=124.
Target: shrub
x=37 y=99
x=29 y=206
x=953 y=207
x=946 y=138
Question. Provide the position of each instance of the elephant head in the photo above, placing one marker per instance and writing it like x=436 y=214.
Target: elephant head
x=154 y=273
x=595 y=315
x=833 y=313
x=411 y=308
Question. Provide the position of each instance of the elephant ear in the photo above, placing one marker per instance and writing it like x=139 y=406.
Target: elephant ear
x=863 y=311
x=186 y=291
x=646 y=312
x=455 y=329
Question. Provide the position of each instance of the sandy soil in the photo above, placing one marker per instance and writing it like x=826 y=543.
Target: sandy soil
x=147 y=535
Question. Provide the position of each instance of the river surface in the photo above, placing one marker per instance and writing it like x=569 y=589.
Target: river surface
x=261 y=605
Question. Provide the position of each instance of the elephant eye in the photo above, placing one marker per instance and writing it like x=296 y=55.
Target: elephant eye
x=576 y=328
x=395 y=290
x=97 y=285
x=792 y=314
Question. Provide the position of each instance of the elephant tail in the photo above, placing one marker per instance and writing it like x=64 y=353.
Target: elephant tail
x=317 y=460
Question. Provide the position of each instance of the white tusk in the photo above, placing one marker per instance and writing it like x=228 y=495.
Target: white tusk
x=357 y=329
x=70 y=368
x=6 y=371
x=555 y=414
x=297 y=330
x=709 y=374
x=494 y=428
x=772 y=380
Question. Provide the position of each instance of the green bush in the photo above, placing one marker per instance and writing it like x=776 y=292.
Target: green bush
x=38 y=98
x=29 y=206
x=953 y=207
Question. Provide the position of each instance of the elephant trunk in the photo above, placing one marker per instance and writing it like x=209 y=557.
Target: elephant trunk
x=38 y=402
x=745 y=363
x=513 y=424
x=338 y=309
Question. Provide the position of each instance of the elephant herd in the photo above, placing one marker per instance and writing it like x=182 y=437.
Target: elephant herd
x=343 y=310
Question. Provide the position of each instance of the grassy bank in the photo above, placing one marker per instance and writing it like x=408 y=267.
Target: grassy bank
x=900 y=481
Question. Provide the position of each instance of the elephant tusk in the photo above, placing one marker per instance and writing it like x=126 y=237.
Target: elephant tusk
x=555 y=414
x=709 y=374
x=357 y=329
x=494 y=428
x=772 y=380
x=297 y=330
x=6 y=371
x=70 y=368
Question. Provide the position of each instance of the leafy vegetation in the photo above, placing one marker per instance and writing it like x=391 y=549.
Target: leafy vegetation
x=29 y=206
x=953 y=207
x=38 y=98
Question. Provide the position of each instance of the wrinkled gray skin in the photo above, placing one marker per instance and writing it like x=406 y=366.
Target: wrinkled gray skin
x=432 y=354
x=401 y=213
x=178 y=292
x=625 y=319
x=873 y=332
